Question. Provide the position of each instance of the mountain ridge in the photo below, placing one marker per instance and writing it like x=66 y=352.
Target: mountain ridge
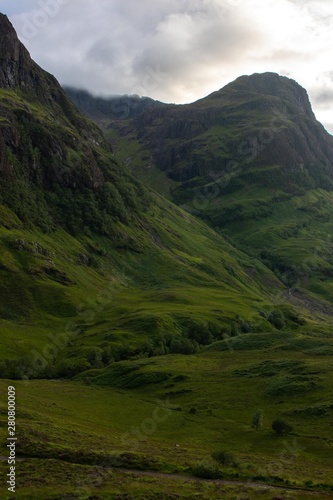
x=249 y=159
x=118 y=106
x=286 y=101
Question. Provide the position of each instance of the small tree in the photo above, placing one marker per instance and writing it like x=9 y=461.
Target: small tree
x=276 y=318
x=281 y=427
x=95 y=357
x=257 y=420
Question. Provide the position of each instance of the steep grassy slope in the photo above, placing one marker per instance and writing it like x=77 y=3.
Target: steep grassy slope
x=85 y=247
x=99 y=294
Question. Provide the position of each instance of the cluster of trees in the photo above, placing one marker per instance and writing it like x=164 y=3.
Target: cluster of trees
x=191 y=336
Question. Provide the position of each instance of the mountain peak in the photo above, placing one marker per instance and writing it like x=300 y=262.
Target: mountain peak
x=5 y=24
x=274 y=85
x=14 y=57
x=18 y=70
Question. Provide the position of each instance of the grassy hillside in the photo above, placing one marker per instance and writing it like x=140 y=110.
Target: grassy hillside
x=174 y=414
x=139 y=340
x=107 y=298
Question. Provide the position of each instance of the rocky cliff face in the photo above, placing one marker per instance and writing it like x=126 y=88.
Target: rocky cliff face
x=270 y=85
x=14 y=58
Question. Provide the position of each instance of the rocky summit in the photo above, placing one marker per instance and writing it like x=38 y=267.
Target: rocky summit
x=14 y=57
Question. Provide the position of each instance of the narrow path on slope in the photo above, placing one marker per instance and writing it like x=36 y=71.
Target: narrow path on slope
x=217 y=482
x=221 y=482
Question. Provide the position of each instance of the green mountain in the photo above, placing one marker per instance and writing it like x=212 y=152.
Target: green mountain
x=76 y=225
x=253 y=162
x=145 y=349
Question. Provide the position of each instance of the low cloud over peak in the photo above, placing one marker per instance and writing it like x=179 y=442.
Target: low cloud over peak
x=175 y=51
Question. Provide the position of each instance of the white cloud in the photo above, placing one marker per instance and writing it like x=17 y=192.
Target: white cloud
x=193 y=46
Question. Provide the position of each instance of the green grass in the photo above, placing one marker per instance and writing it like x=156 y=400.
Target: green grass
x=104 y=296
x=138 y=415
x=139 y=338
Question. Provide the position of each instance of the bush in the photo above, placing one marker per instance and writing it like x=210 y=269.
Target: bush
x=245 y=327
x=183 y=345
x=291 y=386
x=257 y=420
x=276 y=319
x=205 y=470
x=70 y=368
x=95 y=357
x=225 y=458
x=198 y=332
x=281 y=427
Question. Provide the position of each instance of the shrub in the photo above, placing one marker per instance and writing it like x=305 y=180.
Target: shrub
x=205 y=470
x=198 y=332
x=245 y=327
x=276 y=319
x=95 y=357
x=281 y=427
x=183 y=345
x=70 y=368
x=225 y=458
x=257 y=420
x=291 y=386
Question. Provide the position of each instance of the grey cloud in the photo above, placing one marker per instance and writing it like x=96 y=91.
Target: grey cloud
x=11 y=7
x=183 y=37
x=104 y=51
x=322 y=93
x=107 y=46
x=288 y=55
x=187 y=45
x=323 y=98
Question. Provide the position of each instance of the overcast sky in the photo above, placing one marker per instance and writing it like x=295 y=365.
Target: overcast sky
x=179 y=50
